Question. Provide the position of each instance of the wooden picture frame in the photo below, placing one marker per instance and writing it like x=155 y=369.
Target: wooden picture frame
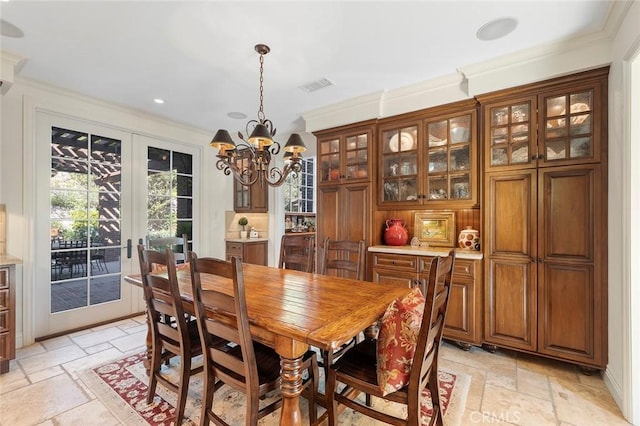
x=436 y=227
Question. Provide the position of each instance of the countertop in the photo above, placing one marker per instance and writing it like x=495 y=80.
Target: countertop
x=245 y=240
x=7 y=260
x=427 y=251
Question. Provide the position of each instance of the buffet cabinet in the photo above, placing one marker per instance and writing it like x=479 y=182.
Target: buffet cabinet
x=249 y=250
x=410 y=267
x=545 y=219
x=7 y=311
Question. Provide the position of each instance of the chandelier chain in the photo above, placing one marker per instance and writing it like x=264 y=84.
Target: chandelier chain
x=261 y=111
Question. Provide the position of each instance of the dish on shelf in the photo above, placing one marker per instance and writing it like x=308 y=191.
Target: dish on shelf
x=407 y=142
x=435 y=141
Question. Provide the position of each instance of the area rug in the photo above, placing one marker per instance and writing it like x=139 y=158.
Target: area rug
x=121 y=385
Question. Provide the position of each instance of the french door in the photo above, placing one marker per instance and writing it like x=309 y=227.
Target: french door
x=100 y=191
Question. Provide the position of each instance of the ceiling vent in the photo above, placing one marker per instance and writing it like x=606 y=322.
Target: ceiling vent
x=317 y=85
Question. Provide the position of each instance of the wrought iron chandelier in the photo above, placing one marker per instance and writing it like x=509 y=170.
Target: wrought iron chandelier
x=250 y=160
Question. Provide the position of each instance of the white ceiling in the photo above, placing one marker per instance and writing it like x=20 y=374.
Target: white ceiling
x=199 y=56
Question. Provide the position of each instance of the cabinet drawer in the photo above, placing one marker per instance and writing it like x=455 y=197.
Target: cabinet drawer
x=395 y=261
x=4 y=278
x=5 y=346
x=464 y=268
x=4 y=299
x=234 y=249
x=4 y=321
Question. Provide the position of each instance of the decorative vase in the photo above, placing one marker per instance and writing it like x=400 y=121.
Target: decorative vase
x=396 y=234
x=243 y=235
x=469 y=239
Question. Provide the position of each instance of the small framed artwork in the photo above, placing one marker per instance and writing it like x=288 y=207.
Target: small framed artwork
x=436 y=227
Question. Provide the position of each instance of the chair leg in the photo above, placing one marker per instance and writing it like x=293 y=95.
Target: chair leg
x=207 y=399
x=312 y=391
x=183 y=386
x=156 y=360
x=330 y=402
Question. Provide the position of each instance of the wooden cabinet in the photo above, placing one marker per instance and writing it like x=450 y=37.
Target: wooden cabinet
x=463 y=322
x=344 y=185
x=248 y=251
x=249 y=199
x=7 y=311
x=545 y=219
x=429 y=158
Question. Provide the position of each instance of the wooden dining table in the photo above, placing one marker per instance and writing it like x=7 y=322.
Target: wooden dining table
x=291 y=311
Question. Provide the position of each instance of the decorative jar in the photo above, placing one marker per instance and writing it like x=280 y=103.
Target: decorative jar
x=469 y=239
x=396 y=234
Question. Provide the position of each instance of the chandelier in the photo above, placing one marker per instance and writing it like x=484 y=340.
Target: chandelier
x=250 y=159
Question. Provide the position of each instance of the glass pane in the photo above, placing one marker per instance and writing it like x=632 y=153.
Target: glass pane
x=68 y=295
x=499 y=116
x=182 y=163
x=499 y=156
x=159 y=183
x=108 y=234
x=184 y=185
x=438 y=161
x=68 y=174
x=391 y=191
x=105 y=177
x=556 y=106
x=556 y=151
x=460 y=129
x=460 y=187
x=69 y=143
x=519 y=113
x=390 y=166
x=581 y=147
x=158 y=207
x=104 y=289
x=408 y=189
x=499 y=136
x=520 y=154
x=184 y=208
x=580 y=102
x=437 y=133
x=158 y=159
x=460 y=158
x=104 y=205
x=158 y=228
x=438 y=188
x=105 y=150
x=363 y=141
x=68 y=204
x=105 y=261
x=580 y=124
x=556 y=128
x=352 y=143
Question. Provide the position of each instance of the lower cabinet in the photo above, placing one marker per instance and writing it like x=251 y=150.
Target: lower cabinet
x=7 y=315
x=463 y=323
x=248 y=251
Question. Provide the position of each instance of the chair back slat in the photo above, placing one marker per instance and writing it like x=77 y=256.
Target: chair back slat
x=342 y=258
x=297 y=252
x=178 y=245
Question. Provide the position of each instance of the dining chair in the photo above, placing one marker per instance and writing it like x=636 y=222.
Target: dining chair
x=247 y=366
x=297 y=252
x=177 y=337
x=178 y=245
x=341 y=258
x=359 y=368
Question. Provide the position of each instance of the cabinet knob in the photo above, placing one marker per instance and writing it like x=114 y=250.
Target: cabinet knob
x=541 y=157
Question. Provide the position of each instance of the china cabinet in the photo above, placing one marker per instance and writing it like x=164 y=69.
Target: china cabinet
x=249 y=199
x=344 y=183
x=429 y=158
x=410 y=266
x=545 y=218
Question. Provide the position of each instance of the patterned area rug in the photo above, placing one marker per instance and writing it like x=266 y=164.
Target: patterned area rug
x=122 y=386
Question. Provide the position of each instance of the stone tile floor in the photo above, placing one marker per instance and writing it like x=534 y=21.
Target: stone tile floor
x=507 y=388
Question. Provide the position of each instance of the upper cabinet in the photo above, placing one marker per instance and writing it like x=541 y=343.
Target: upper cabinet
x=429 y=158
x=555 y=126
x=344 y=154
x=249 y=199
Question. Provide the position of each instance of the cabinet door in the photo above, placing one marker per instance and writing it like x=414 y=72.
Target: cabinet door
x=570 y=291
x=399 y=173
x=510 y=273
x=255 y=253
x=510 y=134
x=249 y=199
x=344 y=155
x=463 y=311
x=355 y=213
x=394 y=276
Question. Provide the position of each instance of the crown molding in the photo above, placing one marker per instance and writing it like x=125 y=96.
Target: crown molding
x=10 y=65
x=349 y=111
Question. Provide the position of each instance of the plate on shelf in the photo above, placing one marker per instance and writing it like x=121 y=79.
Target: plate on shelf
x=407 y=142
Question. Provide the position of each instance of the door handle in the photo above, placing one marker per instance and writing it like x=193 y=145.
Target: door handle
x=129 y=248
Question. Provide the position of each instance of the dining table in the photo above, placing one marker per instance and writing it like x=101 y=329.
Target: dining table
x=291 y=310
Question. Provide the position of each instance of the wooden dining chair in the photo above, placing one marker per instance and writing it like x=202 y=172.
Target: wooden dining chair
x=178 y=245
x=297 y=252
x=341 y=258
x=247 y=366
x=177 y=337
x=359 y=367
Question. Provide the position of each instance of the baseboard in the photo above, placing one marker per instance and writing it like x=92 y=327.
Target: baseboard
x=614 y=389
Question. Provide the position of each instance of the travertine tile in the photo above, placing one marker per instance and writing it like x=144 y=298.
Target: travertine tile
x=91 y=413
x=38 y=402
x=94 y=338
x=90 y=361
x=131 y=342
x=30 y=350
x=47 y=373
x=504 y=377
x=56 y=342
x=14 y=379
x=50 y=359
x=534 y=384
x=98 y=348
x=516 y=408
x=476 y=387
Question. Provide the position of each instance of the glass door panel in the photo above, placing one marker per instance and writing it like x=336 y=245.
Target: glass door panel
x=400 y=164
x=568 y=129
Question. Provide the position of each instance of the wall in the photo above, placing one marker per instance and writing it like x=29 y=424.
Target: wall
x=18 y=110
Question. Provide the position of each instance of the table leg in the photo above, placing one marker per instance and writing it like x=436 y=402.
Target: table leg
x=291 y=353
x=147 y=359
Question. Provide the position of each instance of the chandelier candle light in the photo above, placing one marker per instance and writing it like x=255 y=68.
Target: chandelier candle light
x=258 y=147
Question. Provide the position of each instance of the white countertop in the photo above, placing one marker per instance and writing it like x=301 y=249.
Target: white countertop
x=245 y=240
x=427 y=251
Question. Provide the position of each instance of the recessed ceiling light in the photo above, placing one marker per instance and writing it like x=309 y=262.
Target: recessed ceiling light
x=10 y=30
x=158 y=101
x=237 y=115
x=496 y=29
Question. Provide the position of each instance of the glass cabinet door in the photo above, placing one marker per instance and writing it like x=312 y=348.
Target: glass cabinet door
x=511 y=135
x=329 y=160
x=400 y=164
x=568 y=129
x=344 y=157
x=357 y=156
x=449 y=145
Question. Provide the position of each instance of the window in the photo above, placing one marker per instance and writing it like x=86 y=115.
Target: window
x=298 y=189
